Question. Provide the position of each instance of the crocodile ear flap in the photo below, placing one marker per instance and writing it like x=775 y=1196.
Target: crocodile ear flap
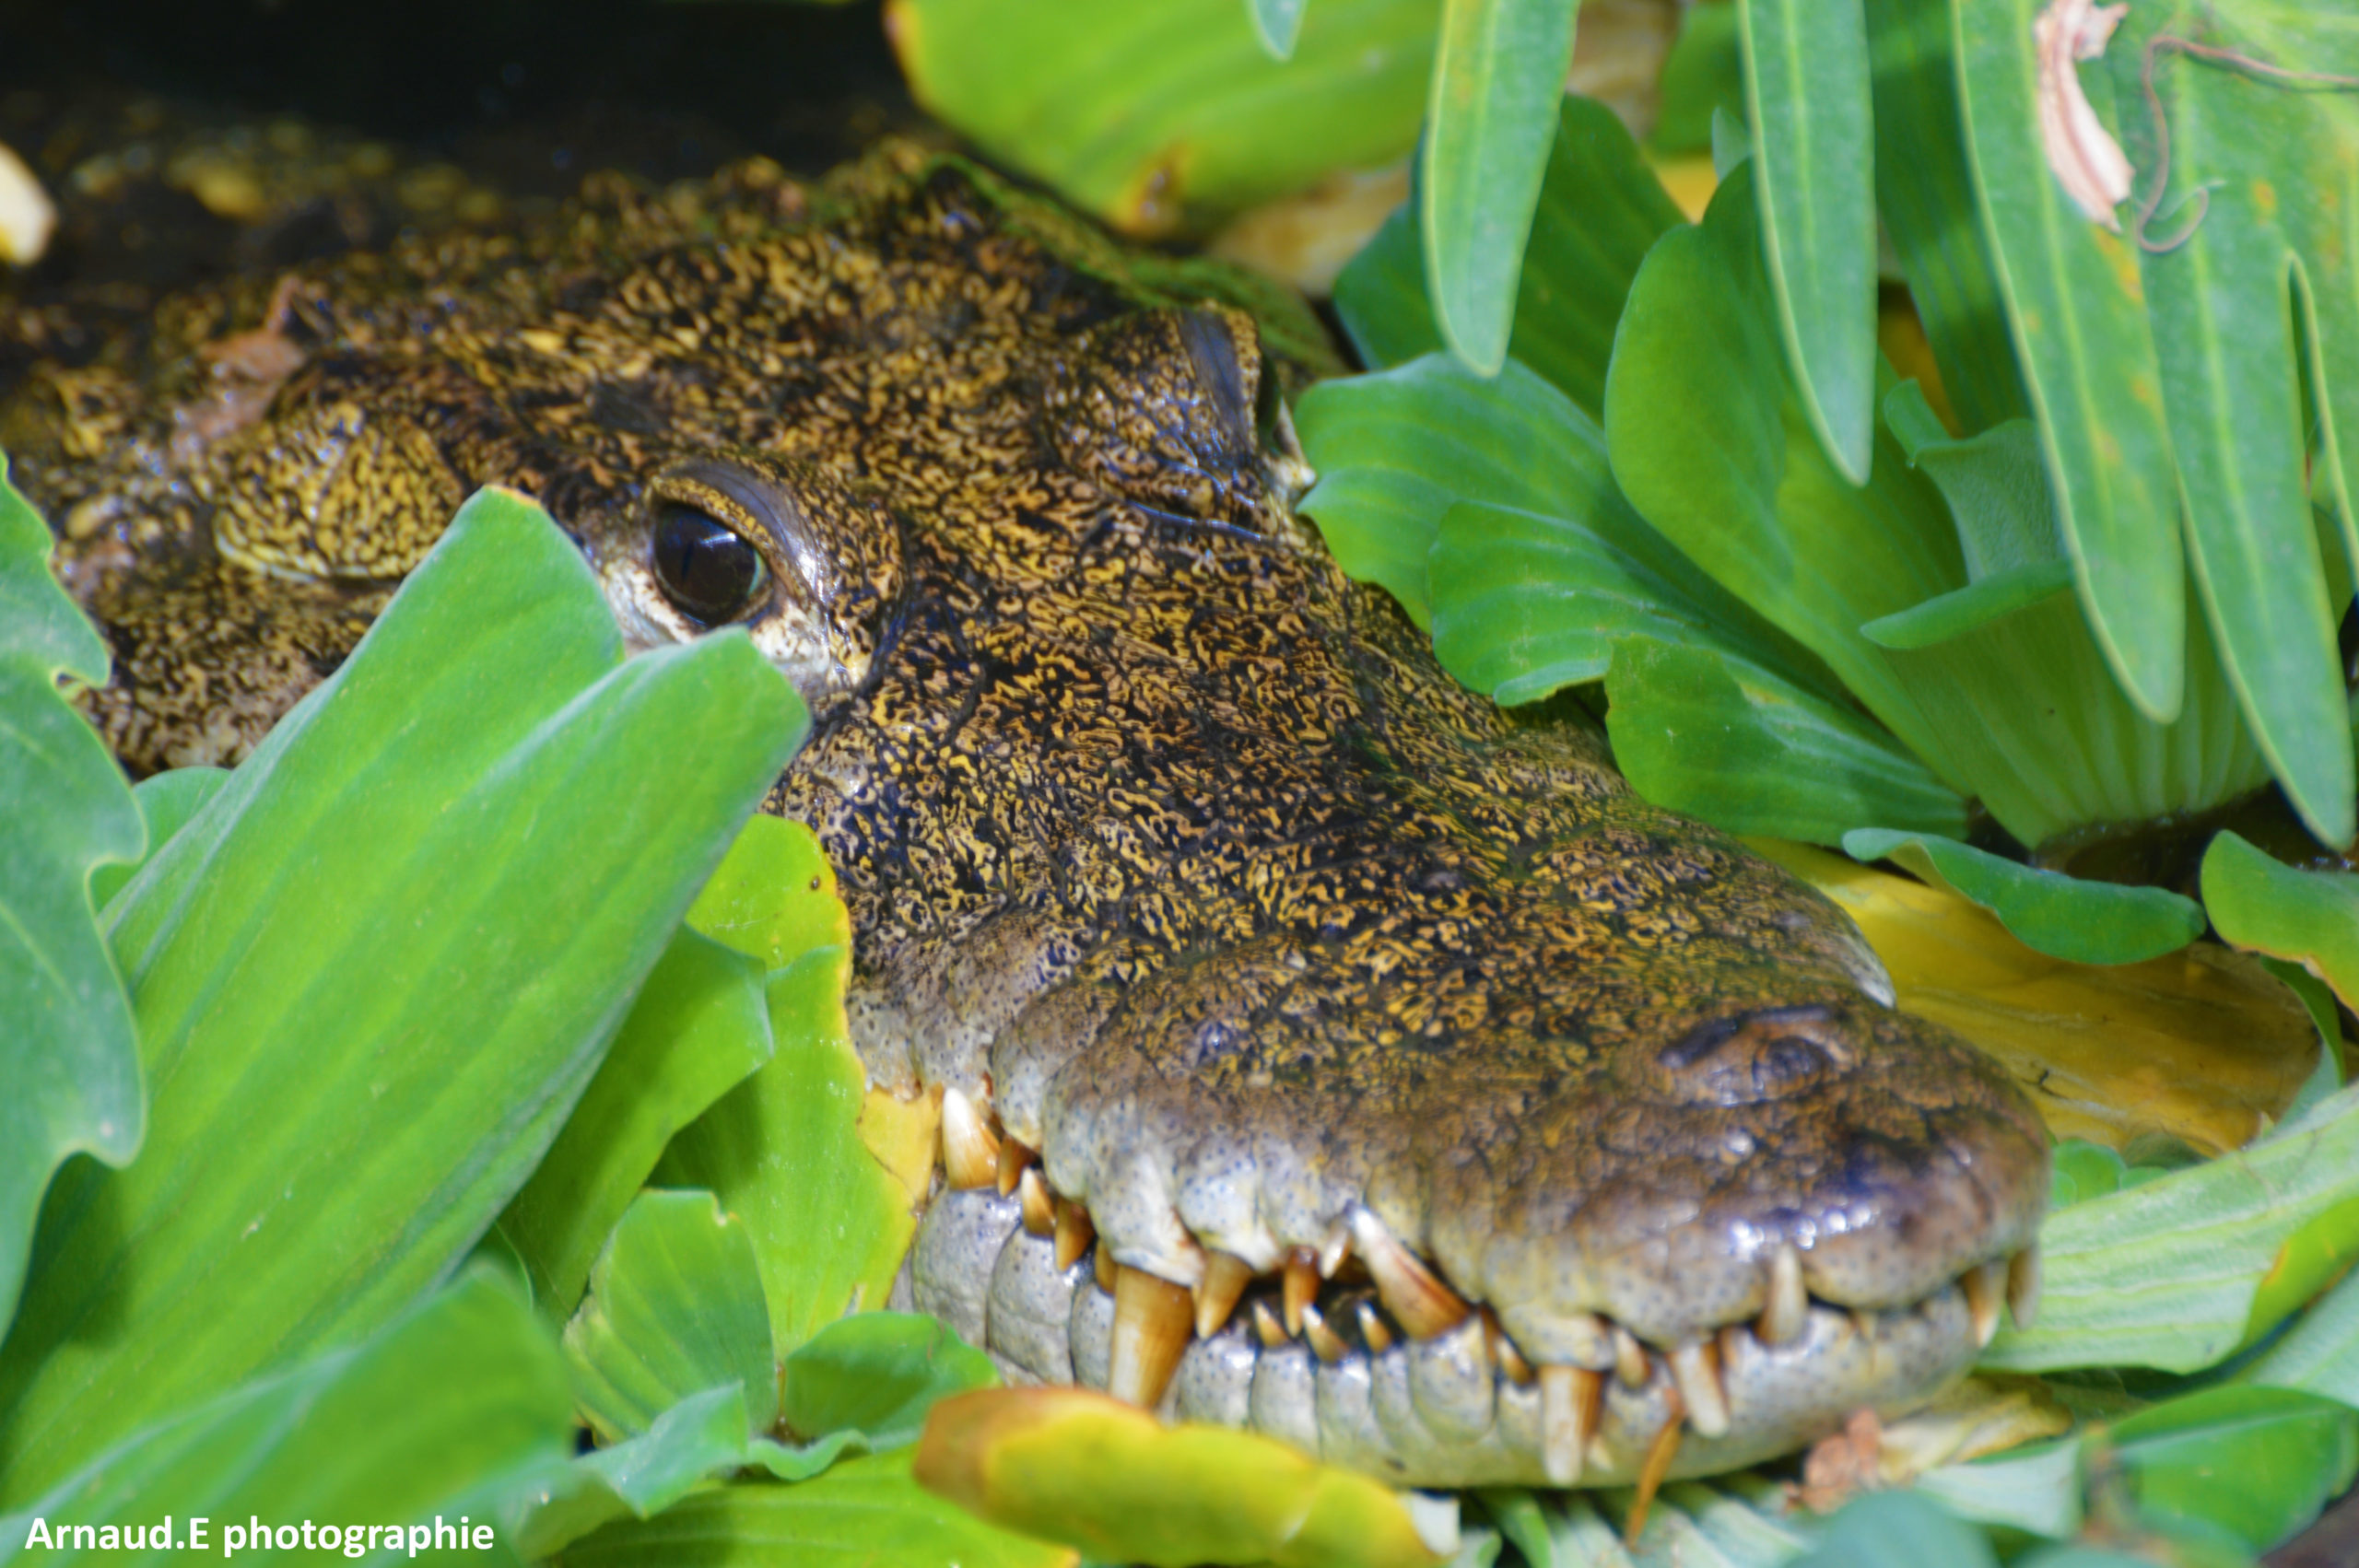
x=1160 y=407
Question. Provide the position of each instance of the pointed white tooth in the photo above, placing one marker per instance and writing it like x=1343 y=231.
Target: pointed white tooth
x=1504 y=1352
x=1984 y=1284
x=1630 y=1359
x=1787 y=1311
x=1074 y=1233
x=1226 y=1277
x=1652 y=1470
x=1153 y=1321
x=1268 y=1328
x=1325 y=1343
x=1569 y=1400
x=2023 y=1286
x=1299 y=1285
x=1039 y=1211
x=1374 y=1331
x=969 y=1151
x=1418 y=1301
x=1014 y=1159
x=1695 y=1368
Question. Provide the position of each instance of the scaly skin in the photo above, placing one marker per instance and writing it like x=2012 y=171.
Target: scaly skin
x=1176 y=864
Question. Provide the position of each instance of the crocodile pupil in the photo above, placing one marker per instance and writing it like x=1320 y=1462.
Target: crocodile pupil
x=707 y=571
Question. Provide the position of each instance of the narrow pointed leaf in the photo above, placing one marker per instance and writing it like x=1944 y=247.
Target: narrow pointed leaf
x=2080 y=923
x=68 y=1052
x=1807 y=99
x=1498 y=76
x=2075 y=308
x=166 y=800
x=344 y=1101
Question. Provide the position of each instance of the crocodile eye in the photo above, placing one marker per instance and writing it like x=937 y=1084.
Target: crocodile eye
x=707 y=571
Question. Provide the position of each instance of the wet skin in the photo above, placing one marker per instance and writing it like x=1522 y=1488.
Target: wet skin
x=1319 y=1048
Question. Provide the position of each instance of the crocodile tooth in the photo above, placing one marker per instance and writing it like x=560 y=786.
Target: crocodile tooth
x=1788 y=1309
x=1695 y=1368
x=1420 y=1303
x=1983 y=1284
x=1569 y=1399
x=1268 y=1329
x=1630 y=1359
x=1325 y=1343
x=1104 y=1266
x=1661 y=1452
x=1226 y=1277
x=1373 y=1328
x=1152 y=1325
x=969 y=1151
x=1014 y=1159
x=1302 y=1284
x=1504 y=1351
x=1074 y=1233
x=1039 y=1215
x=2023 y=1285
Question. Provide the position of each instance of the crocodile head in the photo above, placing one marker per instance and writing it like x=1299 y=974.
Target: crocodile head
x=1319 y=1049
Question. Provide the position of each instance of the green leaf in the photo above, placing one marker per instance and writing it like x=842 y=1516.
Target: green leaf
x=2080 y=923
x=1925 y=195
x=1601 y=209
x=2320 y=1353
x=2166 y=1274
x=1807 y=98
x=1161 y=118
x=1749 y=495
x=2036 y=1489
x=69 y=1055
x=462 y=1392
x=1699 y=732
x=2074 y=306
x=877 y=1374
x=1498 y=77
x=1883 y=1528
x=2223 y=311
x=344 y=1101
x=2305 y=918
x=861 y=1513
x=2258 y=1463
x=1705 y=71
x=783 y=1150
x=698 y=1027
x=1276 y=23
x=165 y=801
x=674 y=1308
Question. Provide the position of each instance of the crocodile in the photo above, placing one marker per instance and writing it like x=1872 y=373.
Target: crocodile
x=1319 y=1049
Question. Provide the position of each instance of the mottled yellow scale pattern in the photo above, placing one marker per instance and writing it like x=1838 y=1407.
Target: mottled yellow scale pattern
x=1152 y=825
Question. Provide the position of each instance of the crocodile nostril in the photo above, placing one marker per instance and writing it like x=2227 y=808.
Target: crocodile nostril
x=1763 y=1055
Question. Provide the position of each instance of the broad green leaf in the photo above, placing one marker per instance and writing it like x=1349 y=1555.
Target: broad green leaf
x=1748 y=752
x=861 y=1513
x=701 y=1437
x=165 y=801
x=445 y=1403
x=2321 y=1352
x=1883 y=1528
x=2305 y=918
x=2257 y=1462
x=1601 y=209
x=675 y=1309
x=1277 y=23
x=1068 y=1465
x=2166 y=1274
x=1749 y=495
x=1807 y=99
x=784 y=1150
x=2224 y=310
x=2084 y=1170
x=70 y=1054
x=1160 y=118
x=2082 y=922
x=344 y=1100
x=698 y=1027
x=2036 y=1489
x=877 y=1374
x=2074 y=306
x=1925 y=196
x=1705 y=71
x=1498 y=77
